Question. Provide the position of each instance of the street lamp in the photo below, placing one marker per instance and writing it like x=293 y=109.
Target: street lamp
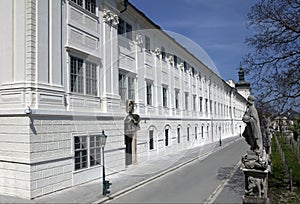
x=106 y=184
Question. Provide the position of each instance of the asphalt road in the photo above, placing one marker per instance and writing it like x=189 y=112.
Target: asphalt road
x=193 y=183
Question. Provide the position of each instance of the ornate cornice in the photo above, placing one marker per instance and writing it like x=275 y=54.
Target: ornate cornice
x=110 y=18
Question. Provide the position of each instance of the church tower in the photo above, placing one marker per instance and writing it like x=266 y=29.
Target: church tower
x=242 y=86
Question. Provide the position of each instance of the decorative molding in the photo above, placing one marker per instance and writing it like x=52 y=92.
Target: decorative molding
x=138 y=39
x=31 y=33
x=170 y=59
x=156 y=51
x=110 y=18
x=181 y=65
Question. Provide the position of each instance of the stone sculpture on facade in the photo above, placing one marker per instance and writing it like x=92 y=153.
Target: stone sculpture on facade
x=255 y=161
x=131 y=126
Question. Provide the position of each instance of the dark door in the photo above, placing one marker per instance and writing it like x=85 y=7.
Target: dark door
x=128 y=150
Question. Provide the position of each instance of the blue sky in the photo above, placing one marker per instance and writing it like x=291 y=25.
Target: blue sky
x=217 y=26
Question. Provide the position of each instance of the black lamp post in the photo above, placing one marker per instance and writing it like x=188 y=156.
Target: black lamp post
x=106 y=184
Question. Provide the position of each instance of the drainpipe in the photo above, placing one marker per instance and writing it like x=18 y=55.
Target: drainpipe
x=125 y=6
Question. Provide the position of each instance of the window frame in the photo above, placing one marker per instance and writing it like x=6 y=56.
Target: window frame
x=165 y=96
x=176 y=98
x=151 y=140
x=80 y=150
x=147 y=43
x=131 y=87
x=122 y=86
x=84 y=76
x=149 y=100
x=88 y=5
x=186 y=101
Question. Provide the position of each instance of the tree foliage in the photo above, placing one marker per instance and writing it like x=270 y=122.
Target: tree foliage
x=273 y=65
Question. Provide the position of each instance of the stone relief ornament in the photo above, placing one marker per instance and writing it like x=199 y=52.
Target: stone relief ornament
x=181 y=65
x=110 y=18
x=170 y=59
x=156 y=51
x=255 y=187
x=138 y=39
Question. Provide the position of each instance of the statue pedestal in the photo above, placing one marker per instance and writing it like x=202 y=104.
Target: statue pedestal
x=256 y=186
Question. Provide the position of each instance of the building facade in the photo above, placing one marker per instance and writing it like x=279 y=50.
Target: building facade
x=68 y=68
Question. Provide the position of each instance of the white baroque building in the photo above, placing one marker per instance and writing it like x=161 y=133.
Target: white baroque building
x=67 y=69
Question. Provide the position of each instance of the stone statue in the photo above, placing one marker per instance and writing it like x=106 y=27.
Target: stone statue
x=256 y=157
x=255 y=162
x=252 y=133
x=131 y=126
x=132 y=120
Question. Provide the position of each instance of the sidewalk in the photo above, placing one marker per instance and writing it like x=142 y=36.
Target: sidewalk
x=139 y=174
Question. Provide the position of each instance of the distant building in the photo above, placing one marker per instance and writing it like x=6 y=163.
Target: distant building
x=242 y=86
x=67 y=69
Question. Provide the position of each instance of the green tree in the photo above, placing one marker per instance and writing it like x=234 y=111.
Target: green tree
x=274 y=64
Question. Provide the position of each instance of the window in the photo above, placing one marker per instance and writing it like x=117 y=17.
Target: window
x=87 y=155
x=194 y=102
x=121 y=26
x=175 y=61
x=95 y=155
x=151 y=139
x=193 y=71
x=210 y=106
x=188 y=133
x=215 y=107
x=128 y=31
x=149 y=94
x=186 y=101
x=76 y=75
x=122 y=86
x=202 y=131
x=206 y=105
x=81 y=148
x=147 y=44
x=200 y=104
x=131 y=89
x=178 y=135
x=89 y=5
x=83 y=76
x=177 y=99
x=125 y=29
x=165 y=98
x=196 y=133
x=163 y=53
x=166 y=137
x=126 y=87
x=185 y=66
x=91 y=78
x=78 y=2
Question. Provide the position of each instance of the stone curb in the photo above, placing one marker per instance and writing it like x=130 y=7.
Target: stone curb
x=130 y=188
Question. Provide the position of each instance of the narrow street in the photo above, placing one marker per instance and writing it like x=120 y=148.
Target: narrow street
x=195 y=182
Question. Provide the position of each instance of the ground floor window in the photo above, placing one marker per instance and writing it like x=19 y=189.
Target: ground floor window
x=87 y=151
x=166 y=137
x=151 y=139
